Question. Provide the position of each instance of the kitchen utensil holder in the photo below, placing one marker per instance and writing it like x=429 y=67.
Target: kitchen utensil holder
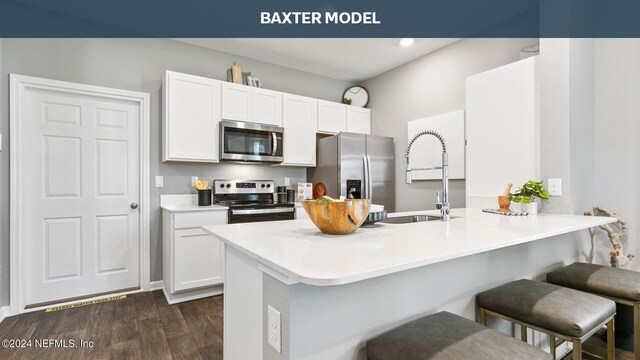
x=204 y=197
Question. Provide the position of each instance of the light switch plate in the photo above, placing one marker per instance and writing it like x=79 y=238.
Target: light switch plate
x=159 y=181
x=193 y=180
x=273 y=328
x=555 y=187
x=287 y=181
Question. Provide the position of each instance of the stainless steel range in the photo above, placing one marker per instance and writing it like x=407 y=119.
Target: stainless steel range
x=250 y=201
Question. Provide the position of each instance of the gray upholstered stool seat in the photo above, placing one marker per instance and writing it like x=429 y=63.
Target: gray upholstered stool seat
x=599 y=279
x=445 y=336
x=619 y=285
x=566 y=314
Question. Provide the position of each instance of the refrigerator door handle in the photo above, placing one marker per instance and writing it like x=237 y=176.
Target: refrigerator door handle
x=369 y=181
x=366 y=177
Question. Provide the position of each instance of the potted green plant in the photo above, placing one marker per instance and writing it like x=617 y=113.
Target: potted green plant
x=527 y=194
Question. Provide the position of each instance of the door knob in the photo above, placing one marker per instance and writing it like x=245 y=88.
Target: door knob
x=134 y=205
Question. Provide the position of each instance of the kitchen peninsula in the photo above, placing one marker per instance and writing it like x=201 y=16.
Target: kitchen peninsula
x=333 y=293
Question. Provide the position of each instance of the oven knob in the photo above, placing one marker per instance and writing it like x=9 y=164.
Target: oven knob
x=221 y=186
x=268 y=185
x=262 y=186
x=228 y=186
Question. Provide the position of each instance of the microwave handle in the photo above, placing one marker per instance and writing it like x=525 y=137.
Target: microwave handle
x=275 y=144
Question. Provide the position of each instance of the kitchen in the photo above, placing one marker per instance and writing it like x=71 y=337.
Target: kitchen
x=428 y=79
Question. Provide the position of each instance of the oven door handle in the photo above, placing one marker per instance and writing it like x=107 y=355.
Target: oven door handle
x=275 y=144
x=261 y=211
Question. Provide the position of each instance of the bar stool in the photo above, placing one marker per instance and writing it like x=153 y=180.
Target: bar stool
x=445 y=336
x=565 y=314
x=619 y=285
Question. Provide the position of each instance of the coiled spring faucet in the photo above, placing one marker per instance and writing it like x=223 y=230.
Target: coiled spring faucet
x=443 y=205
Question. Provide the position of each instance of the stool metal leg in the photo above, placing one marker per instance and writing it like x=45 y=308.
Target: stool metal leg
x=552 y=346
x=611 y=340
x=523 y=333
x=636 y=330
x=577 y=349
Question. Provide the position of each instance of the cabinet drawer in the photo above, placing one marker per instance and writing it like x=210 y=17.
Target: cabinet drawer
x=199 y=219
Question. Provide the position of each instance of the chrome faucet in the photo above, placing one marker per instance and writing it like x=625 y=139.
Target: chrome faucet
x=443 y=205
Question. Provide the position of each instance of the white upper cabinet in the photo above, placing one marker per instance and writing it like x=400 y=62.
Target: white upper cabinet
x=358 y=120
x=236 y=102
x=332 y=117
x=250 y=104
x=300 y=121
x=194 y=107
x=191 y=118
x=267 y=106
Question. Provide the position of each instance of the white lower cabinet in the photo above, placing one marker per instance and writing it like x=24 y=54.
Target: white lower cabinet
x=301 y=213
x=193 y=263
x=193 y=266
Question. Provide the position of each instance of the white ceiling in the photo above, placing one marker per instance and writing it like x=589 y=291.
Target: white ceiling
x=343 y=59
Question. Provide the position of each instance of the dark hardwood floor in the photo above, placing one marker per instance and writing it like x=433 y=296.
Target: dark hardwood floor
x=142 y=326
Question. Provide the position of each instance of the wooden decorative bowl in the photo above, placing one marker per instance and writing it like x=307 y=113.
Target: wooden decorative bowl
x=338 y=217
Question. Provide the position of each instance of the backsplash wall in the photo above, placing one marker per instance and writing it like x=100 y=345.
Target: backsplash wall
x=139 y=65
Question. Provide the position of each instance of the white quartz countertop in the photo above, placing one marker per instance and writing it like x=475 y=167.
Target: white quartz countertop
x=184 y=208
x=299 y=251
x=185 y=203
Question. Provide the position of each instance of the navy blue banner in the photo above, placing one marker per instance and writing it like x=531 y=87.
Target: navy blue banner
x=312 y=18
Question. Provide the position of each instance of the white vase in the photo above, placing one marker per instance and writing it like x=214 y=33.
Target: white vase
x=531 y=208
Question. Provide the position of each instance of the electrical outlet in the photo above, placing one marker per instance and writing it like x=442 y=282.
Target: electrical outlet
x=273 y=328
x=287 y=181
x=193 y=179
x=555 y=187
x=159 y=181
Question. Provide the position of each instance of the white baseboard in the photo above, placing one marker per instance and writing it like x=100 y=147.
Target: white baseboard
x=156 y=285
x=5 y=311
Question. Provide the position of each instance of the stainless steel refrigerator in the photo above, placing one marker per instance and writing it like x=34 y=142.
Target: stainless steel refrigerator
x=357 y=166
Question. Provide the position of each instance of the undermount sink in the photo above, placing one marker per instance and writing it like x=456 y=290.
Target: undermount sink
x=411 y=219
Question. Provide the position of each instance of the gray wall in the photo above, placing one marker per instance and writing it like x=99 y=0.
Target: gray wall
x=4 y=186
x=431 y=85
x=617 y=130
x=139 y=65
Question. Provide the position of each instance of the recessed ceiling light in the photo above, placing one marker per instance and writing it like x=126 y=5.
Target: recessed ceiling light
x=406 y=42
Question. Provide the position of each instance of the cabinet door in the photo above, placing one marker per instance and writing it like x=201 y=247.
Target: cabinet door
x=267 y=106
x=332 y=117
x=198 y=260
x=191 y=118
x=301 y=213
x=358 y=120
x=300 y=120
x=236 y=102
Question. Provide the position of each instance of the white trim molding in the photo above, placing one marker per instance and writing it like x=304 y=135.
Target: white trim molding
x=18 y=85
x=156 y=285
x=5 y=311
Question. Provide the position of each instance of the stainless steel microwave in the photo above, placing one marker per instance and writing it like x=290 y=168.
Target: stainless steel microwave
x=251 y=142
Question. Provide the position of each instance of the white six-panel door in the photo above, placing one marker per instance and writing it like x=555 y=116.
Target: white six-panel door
x=82 y=182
